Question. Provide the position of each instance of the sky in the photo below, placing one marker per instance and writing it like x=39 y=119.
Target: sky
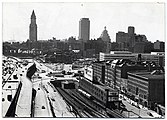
x=61 y=20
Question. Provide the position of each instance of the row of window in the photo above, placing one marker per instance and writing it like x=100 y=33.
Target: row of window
x=137 y=84
x=93 y=90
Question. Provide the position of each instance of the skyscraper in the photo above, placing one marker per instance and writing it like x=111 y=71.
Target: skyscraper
x=84 y=29
x=105 y=36
x=33 y=28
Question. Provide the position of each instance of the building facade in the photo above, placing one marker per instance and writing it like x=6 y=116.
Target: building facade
x=159 y=46
x=157 y=57
x=106 y=38
x=116 y=55
x=84 y=29
x=99 y=72
x=127 y=41
x=147 y=88
x=33 y=28
x=103 y=95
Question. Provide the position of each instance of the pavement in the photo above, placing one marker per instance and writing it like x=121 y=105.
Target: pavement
x=59 y=105
x=23 y=108
x=42 y=108
x=135 y=111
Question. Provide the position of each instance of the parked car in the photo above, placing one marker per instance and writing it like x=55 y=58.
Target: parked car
x=43 y=107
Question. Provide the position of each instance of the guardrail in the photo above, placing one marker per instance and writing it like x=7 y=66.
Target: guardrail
x=12 y=107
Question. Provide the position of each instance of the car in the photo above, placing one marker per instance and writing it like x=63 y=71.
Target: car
x=43 y=71
x=43 y=107
x=52 y=99
x=52 y=79
x=15 y=77
x=153 y=114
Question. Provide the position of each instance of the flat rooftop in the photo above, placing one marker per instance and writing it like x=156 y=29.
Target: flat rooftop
x=148 y=75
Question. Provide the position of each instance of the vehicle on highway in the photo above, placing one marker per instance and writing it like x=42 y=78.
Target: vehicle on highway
x=55 y=74
x=39 y=77
x=43 y=71
x=43 y=107
x=15 y=77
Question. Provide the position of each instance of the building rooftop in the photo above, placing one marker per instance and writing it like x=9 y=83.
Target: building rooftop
x=84 y=18
x=147 y=75
x=120 y=52
x=104 y=87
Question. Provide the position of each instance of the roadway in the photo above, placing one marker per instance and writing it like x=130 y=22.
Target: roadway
x=53 y=102
x=133 y=111
x=23 y=108
x=47 y=98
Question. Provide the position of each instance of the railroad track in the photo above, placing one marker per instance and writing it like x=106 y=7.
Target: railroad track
x=88 y=105
x=115 y=113
x=78 y=108
x=84 y=108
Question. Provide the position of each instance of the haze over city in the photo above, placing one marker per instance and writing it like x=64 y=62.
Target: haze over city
x=61 y=20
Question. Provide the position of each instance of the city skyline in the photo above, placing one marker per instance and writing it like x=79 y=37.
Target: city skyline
x=53 y=20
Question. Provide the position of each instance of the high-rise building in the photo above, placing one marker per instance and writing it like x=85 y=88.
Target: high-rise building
x=159 y=46
x=127 y=41
x=105 y=36
x=131 y=30
x=84 y=29
x=33 y=28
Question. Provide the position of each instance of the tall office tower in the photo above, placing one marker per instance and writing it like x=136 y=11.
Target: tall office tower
x=131 y=33
x=33 y=28
x=131 y=30
x=84 y=29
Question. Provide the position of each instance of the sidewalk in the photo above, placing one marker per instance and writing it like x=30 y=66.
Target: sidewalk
x=135 y=112
x=59 y=105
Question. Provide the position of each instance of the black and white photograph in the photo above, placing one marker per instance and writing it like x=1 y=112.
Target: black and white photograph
x=83 y=60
